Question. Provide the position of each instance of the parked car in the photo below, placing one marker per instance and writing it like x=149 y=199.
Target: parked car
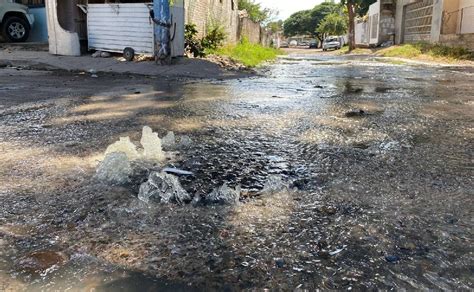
x=293 y=43
x=331 y=43
x=16 y=21
x=284 y=45
x=313 y=45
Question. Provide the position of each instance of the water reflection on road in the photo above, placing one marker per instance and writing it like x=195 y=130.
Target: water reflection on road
x=380 y=199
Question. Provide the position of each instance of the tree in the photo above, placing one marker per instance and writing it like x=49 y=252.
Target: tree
x=275 y=26
x=355 y=6
x=255 y=11
x=305 y=22
x=333 y=24
x=298 y=23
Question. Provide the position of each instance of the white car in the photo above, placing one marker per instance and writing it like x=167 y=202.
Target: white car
x=331 y=43
x=15 y=21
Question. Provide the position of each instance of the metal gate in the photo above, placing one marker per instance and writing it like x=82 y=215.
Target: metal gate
x=417 y=21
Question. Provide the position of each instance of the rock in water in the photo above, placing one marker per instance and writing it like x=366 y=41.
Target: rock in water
x=185 y=142
x=115 y=169
x=274 y=184
x=163 y=188
x=151 y=144
x=169 y=141
x=124 y=145
x=224 y=195
x=355 y=113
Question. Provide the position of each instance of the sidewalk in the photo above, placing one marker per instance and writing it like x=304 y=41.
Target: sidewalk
x=181 y=68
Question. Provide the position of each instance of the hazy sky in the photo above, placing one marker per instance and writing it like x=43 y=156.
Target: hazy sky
x=288 y=7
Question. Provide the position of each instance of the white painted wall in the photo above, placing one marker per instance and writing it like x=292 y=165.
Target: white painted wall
x=466 y=24
x=374 y=16
x=61 y=41
x=361 y=33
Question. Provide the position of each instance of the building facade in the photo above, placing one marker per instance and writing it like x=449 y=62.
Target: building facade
x=449 y=22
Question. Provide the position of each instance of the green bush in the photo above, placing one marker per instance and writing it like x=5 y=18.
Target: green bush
x=215 y=37
x=191 y=43
x=251 y=55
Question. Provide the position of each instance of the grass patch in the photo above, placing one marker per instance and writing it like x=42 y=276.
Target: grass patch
x=251 y=55
x=427 y=51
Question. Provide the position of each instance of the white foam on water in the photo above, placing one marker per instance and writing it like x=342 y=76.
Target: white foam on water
x=125 y=146
x=151 y=143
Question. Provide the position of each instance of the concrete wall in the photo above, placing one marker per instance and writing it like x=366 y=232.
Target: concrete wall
x=206 y=13
x=379 y=26
x=450 y=17
x=458 y=40
x=466 y=16
x=250 y=30
x=61 y=41
x=362 y=33
x=374 y=18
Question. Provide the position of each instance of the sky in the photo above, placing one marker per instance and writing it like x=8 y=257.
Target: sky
x=288 y=7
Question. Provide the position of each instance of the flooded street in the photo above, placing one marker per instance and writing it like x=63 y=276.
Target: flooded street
x=377 y=158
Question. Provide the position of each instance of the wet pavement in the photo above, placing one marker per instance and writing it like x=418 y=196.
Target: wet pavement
x=379 y=198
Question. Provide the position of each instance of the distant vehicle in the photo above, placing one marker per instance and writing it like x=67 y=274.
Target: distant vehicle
x=304 y=44
x=284 y=45
x=293 y=43
x=313 y=45
x=331 y=43
x=16 y=21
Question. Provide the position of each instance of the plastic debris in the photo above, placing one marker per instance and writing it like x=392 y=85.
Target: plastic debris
x=96 y=54
x=163 y=188
x=335 y=252
x=151 y=144
x=124 y=145
x=177 y=171
x=115 y=169
x=224 y=195
x=105 y=55
x=169 y=141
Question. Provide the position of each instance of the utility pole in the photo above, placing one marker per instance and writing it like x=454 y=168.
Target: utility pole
x=162 y=20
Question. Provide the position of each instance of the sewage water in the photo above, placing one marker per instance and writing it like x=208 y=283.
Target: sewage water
x=381 y=200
